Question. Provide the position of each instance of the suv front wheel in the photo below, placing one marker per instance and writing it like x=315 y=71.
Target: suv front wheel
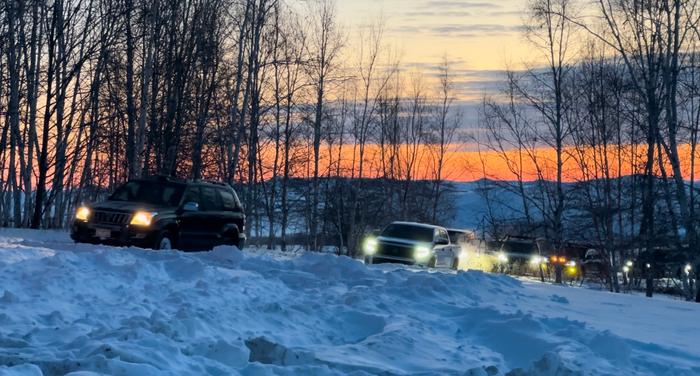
x=164 y=241
x=233 y=239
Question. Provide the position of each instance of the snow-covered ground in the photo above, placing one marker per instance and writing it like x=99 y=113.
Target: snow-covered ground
x=101 y=310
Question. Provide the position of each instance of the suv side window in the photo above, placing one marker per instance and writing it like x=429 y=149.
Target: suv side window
x=210 y=200
x=442 y=235
x=227 y=200
x=192 y=195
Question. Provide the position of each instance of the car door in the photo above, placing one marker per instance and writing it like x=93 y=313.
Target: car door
x=231 y=215
x=213 y=217
x=193 y=229
x=444 y=255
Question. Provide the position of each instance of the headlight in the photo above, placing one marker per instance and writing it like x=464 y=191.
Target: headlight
x=142 y=218
x=422 y=253
x=502 y=258
x=82 y=214
x=370 y=246
x=536 y=260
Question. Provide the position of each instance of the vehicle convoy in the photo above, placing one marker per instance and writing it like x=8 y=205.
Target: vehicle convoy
x=164 y=213
x=414 y=244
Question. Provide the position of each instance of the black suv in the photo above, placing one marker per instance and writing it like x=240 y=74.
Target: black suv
x=164 y=213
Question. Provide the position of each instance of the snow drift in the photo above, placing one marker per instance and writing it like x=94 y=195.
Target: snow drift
x=88 y=310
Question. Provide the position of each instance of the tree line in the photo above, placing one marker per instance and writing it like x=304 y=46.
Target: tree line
x=618 y=100
x=328 y=135
x=256 y=93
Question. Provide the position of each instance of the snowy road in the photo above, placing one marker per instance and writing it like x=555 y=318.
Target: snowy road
x=101 y=310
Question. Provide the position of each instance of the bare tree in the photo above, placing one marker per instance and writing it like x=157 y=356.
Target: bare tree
x=446 y=124
x=325 y=44
x=551 y=31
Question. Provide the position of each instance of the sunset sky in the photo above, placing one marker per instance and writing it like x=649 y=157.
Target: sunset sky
x=480 y=37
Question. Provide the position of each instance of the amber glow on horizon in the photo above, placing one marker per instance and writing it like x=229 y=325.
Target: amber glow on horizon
x=471 y=165
x=462 y=163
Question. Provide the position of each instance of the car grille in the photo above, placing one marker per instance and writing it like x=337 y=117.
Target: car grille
x=110 y=218
x=395 y=250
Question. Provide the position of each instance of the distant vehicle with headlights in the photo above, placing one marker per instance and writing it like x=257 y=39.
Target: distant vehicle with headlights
x=413 y=244
x=164 y=213
x=460 y=237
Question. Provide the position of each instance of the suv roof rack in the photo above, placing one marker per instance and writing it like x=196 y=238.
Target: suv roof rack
x=175 y=179
x=212 y=182
x=162 y=178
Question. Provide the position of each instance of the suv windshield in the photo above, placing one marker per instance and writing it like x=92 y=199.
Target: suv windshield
x=404 y=231
x=149 y=192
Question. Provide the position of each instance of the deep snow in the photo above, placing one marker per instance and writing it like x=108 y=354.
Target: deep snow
x=92 y=310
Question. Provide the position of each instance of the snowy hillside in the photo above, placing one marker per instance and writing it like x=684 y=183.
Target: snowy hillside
x=92 y=310
x=473 y=205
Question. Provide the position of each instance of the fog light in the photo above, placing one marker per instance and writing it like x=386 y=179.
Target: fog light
x=82 y=214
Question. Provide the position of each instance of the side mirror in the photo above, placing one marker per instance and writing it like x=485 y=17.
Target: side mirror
x=442 y=241
x=190 y=206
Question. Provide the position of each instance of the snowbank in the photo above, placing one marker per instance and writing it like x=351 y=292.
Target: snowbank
x=87 y=310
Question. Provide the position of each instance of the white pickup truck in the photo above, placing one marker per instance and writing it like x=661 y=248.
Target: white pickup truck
x=413 y=244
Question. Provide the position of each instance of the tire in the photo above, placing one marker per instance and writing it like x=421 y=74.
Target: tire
x=164 y=241
x=431 y=263
x=234 y=240
x=455 y=263
x=368 y=260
